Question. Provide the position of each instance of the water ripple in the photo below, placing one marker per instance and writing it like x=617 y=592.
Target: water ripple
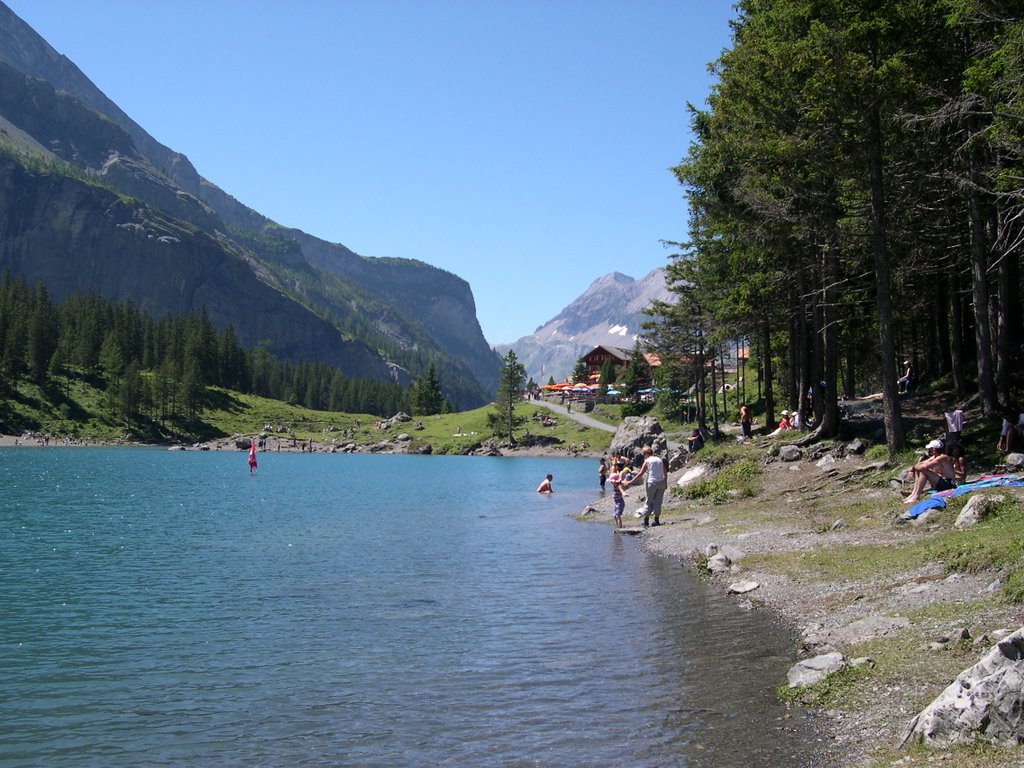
x=165 y=609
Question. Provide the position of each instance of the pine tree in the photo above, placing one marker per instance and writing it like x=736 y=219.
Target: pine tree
x=425 y=398
x=510 y=389
x=636 y=375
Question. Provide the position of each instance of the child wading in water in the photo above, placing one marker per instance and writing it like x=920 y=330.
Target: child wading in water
x=618 y=498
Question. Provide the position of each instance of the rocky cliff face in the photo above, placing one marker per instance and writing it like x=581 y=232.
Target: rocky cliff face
x=609 y=312
x=79 y=237
x=195 y=230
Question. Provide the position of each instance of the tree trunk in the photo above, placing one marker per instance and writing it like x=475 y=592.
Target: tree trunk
x=849 y=381
x=795 y=349
x=1008 y=305
x=826 y=404
x=940 y=307
x=725 y=393
x=714 y=396
x=769 y=390
x=805 y=356
x=891 y=413
x=702 y=423
x=979 y=291
x=956 y=338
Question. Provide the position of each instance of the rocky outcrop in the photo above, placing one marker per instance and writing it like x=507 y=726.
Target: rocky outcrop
x=790 y=453
x=634 y=433
x=985 y=701
x=79 y=237
x=437 y=301
x=64 y=126
x=976 y=508
x=817 y=637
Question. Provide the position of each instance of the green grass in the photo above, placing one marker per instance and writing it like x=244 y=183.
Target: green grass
x=608 y=413
x=739 y=478
x=996 y=543
x=826 y=692
x=977 y=755
x=843 y=563
x=83 y=414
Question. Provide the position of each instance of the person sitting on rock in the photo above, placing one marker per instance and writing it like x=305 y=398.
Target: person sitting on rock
x=936 y=470
x=906 y=381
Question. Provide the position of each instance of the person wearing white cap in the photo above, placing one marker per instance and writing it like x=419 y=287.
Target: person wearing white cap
x=936 y=470
x=784 y=425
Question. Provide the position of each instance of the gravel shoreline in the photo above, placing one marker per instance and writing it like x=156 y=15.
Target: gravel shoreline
x=854 y=616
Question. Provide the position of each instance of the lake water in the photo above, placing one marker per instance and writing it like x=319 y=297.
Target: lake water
x=166 y=608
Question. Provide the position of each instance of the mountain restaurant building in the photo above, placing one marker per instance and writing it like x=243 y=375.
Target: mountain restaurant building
x=596 y=358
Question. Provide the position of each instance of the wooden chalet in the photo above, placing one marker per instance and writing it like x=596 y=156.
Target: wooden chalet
x=619 y=357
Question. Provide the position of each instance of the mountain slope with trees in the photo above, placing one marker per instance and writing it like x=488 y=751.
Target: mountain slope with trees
x=63 y=139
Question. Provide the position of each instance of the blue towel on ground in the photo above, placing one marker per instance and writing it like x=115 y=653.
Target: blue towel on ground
x=933 y=502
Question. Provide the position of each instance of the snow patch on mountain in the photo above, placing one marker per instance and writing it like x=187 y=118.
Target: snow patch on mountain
x=602 y=315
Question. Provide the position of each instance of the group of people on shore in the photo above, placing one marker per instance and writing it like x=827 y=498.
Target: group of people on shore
x=618 y=472
x=622 y=476
x=945 y=466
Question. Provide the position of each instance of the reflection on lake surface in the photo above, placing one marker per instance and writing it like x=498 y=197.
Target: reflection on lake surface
x=164 y=608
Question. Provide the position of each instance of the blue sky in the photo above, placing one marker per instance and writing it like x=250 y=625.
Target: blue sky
x=523 y=146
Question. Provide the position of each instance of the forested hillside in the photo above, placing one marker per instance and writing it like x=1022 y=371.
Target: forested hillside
x=157 y=374
x=91 y=202
x=856 y=191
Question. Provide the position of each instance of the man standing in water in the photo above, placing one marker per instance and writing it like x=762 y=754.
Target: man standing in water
x=545 y=485
x=653 y=469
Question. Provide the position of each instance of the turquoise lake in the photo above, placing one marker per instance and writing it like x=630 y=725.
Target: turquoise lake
x=165 y=608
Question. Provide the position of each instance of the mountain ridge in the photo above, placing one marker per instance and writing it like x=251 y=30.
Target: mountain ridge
x=609 y=312
x=404 y=312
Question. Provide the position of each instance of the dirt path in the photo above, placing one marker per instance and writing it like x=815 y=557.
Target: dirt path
x=576 y=416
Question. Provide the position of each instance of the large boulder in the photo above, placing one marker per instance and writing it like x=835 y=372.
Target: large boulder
x=985 y=701
x=677 y=460
x=810 y=671
x=634 y=433
x=790 y=453
x=978 y=507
